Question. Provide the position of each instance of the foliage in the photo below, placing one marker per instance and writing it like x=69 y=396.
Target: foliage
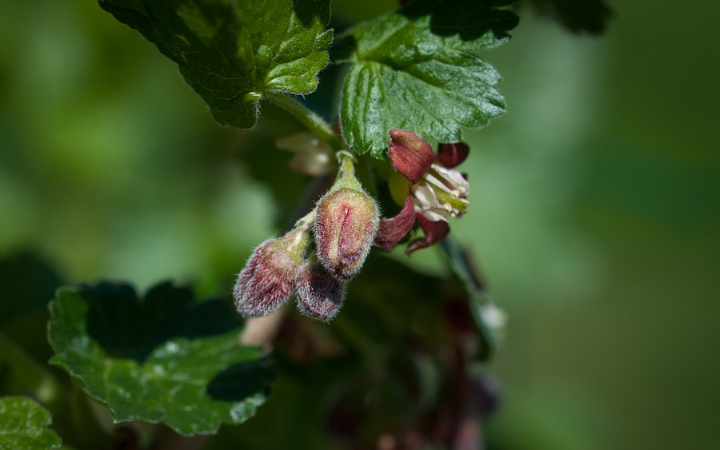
x=160 y=358
x=233 y=52
x=23 y=424
x=446 y=72
x=398 y=361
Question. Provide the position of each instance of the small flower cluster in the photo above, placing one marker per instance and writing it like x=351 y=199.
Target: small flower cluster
x=344 y=223
x=428 y=186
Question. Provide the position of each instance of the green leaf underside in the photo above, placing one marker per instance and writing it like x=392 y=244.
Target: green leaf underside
x=165 y=358
x=23 y=425
x=419 y=69
x=231 y=51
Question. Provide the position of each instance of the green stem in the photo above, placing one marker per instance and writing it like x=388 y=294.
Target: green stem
x=314 y=122
x=85 y=420
x=346 y=172
x=34 y=375
x=476 y=295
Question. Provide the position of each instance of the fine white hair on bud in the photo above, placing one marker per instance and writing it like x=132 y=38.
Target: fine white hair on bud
x=320 y=295
x=268 y=279
x=345 y=227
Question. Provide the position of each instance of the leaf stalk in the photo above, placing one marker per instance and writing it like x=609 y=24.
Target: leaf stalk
x=313 y=121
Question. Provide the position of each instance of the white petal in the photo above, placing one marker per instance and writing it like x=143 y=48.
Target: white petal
x=454 y=178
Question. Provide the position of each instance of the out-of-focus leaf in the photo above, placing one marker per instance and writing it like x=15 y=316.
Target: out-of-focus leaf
x=420 y=69
x=577 y=15
x=292 y=418
x=23 y=425
x=477 y=297
x=231 y=52
x=164 y=358
x=28 y=284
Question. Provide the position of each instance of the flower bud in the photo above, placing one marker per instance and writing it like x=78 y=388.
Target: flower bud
x=312 y=155
x=319 y=294
x=269 y=276
x=345 y=228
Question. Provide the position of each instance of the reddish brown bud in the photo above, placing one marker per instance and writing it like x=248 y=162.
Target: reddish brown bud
x=269 y=276
x=345 y=227
x=319 y=294
x=410 y=154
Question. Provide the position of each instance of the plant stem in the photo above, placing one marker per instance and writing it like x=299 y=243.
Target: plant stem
x=314 y=122
x=35 y=376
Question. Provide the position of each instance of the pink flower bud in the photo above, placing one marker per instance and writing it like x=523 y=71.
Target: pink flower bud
x=319 y=294
x=269 y=276
x=345 y=227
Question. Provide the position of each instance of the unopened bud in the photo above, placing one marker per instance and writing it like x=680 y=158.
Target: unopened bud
x=312 y=155
x=269 y=276
x=319 y=294
x=345 y=228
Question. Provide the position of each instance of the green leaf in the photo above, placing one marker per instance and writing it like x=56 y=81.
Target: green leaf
x=419 y=69
x=23 y=425
x=232 y=51
x=162 y=358
x=30 y=282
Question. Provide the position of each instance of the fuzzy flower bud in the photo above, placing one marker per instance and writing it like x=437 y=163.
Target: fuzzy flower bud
x=346 y=224
x=319 y=294
x=269 y=276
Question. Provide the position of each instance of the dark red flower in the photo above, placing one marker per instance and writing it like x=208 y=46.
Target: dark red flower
x=434 y=190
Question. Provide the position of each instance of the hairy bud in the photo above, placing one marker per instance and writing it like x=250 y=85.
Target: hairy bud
x=319 y=294
x=345 y=228
x=269 y=276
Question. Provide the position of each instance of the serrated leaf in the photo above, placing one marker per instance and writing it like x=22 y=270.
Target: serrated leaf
x=232 y=51
x=164 y=358
x=23 y=425
x=419 y=69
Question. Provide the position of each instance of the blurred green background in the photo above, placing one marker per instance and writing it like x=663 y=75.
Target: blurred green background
x=595 y=202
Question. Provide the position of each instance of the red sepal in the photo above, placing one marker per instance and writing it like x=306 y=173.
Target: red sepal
x=434 y=233
x=452 y=155
x=392 y=230
x=409 y=154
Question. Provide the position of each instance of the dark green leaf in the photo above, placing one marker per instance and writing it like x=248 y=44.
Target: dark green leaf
x=232 y=51
x=163 y=358
x=419 y=69
x=29 y=283
x=23 y=425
